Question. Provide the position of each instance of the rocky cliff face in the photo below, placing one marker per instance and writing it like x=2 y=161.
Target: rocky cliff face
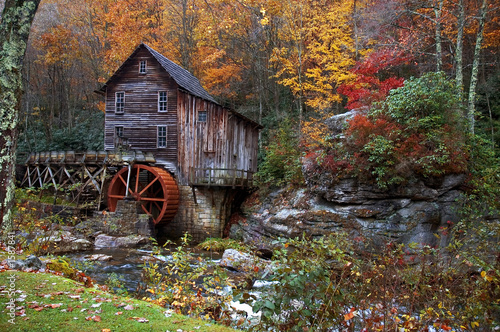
x=414 y=212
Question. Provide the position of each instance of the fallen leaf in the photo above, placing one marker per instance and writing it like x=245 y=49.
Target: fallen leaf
x=96 y=318
x=105 y=330
x=119 y=313
x=128 y=307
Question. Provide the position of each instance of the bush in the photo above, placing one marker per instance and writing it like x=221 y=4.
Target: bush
x=281 y=165
x=416 y=132
x=322 y=286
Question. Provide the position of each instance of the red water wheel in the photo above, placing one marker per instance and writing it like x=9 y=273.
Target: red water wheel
x=153 y=186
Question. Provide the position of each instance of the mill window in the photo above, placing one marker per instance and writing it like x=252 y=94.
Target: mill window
x=118 y=131
x=162 y=137
x=162 y=101
x=142 y=67
x=119 y=102
x=202 y=116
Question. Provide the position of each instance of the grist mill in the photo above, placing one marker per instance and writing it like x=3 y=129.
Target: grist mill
x=168 y=145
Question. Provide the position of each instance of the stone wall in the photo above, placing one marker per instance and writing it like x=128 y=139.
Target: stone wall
x=126 y=220
x=202 y=217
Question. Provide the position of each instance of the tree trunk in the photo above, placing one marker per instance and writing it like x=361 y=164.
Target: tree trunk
x=439 y=53
x=459 y=76
x=471 y=109
x=17 y=17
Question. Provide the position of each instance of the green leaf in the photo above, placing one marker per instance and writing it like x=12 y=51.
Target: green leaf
x=268 y=304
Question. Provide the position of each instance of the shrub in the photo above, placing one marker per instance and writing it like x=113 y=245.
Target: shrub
x=322 y=286
x=416 y=132
x=281 y=164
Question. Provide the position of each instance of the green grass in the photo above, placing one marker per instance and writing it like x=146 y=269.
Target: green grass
x=53 y=303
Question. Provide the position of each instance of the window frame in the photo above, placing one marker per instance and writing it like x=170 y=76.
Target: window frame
x=162 y=103
x=118 y=129
x=120 y=104
x=158 y=136
x=143 y=65
x=202 y=116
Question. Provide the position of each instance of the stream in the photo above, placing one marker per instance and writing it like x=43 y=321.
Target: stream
x=126 y=266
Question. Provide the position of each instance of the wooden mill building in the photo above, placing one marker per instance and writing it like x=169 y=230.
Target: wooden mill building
x=203 y=153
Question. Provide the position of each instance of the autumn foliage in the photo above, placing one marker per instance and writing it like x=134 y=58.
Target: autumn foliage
x=393 y=145
x=368 y=87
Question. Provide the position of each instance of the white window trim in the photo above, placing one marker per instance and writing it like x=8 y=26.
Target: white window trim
x=166 y=102
x=145 y=67
x=116 y=102
x=158 y=136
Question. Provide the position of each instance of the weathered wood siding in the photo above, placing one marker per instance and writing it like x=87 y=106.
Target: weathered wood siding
x=141 y=117
x=225 y=140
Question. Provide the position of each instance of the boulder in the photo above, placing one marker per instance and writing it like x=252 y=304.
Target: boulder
x=56 y=242
x=15 y=264
x=242 y=262
x=98 y=257
x=31 y=262
x=107 y=241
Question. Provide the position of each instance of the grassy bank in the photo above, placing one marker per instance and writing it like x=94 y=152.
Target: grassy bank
x=46 y=302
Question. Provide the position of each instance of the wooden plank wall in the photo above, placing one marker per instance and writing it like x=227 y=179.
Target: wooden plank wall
x=141 y=117
x=225 y=140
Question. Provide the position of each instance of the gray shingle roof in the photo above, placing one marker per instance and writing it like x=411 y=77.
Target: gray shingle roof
x=182 y=77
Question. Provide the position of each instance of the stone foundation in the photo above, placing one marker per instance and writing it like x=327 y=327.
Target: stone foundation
x=204 y=216
x=128 y=219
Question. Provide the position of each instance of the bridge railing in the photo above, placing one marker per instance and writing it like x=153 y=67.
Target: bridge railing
x=220 y=177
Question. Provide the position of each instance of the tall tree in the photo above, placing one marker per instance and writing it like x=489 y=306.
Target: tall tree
x=17 y=17
x=471 y=108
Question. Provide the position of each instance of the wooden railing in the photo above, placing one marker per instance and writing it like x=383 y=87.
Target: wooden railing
x=220 y=177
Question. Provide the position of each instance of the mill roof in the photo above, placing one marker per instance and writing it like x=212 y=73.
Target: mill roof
x=181 y=76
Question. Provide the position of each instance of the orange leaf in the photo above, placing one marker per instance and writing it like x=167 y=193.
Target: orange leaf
x=348 y=316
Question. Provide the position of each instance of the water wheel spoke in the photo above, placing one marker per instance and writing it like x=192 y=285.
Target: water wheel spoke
x=149 y=185
x=157 y=192
x=117 y=196
x=144 y=209
x=153 y=199
x=157 y=205
x=123 y=180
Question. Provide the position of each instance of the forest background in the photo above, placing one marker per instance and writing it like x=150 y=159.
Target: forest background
x=291 y=62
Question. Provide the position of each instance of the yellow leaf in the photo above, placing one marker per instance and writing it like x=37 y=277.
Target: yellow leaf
x=474 y=324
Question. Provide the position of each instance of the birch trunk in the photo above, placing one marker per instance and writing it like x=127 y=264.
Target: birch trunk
x=471 y=109
x=459 y=76
x=439 y=52
x=17 y=17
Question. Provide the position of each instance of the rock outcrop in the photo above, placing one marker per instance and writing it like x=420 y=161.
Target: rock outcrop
x=408 y=213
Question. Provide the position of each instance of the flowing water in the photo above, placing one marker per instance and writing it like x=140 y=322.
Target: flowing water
x=125 y=264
